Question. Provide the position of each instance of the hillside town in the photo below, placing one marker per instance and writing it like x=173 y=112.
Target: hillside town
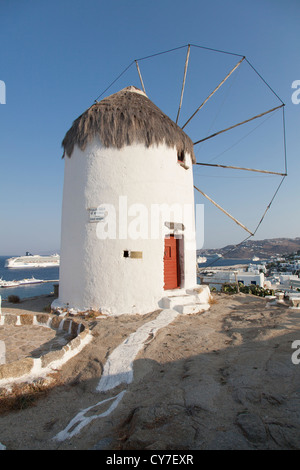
x=267 y=249
x=279 y=274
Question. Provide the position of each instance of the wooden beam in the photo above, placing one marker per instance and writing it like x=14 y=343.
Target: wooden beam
x=239 y=124
x=183 y=83
x=240 y=168
x=224 y=211
x=140 y=75
x=213 y=92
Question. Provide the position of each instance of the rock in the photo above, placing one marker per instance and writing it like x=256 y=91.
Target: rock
x=103 y=444
x=228 y=440
x=246 y=395
x=285 y=436
x=159 y=427
x=252 y=427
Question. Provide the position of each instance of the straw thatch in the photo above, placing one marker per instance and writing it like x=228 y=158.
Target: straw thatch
x=125 y=118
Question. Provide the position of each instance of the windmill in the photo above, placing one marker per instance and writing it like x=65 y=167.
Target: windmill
x=125 y=149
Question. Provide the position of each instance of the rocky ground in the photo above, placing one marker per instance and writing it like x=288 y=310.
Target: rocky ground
x=223 y=379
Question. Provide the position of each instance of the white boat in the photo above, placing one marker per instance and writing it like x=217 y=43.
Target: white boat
x=201 y=259
x=30 y=281
x=255 y=258
x=33 y=261
x=5 y=284
x=22 y=282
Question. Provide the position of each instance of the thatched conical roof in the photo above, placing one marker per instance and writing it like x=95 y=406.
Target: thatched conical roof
x=125 y=118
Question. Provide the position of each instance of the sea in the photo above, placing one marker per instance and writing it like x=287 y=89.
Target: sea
x=215 y=261
x=26 y=291
x=52 y=274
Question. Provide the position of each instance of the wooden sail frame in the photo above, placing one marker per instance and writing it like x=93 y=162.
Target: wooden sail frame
x=242 y=58
x=241 y=168
x=224 y=211
x=183 y=82
x=239 y=124
x=214 y=91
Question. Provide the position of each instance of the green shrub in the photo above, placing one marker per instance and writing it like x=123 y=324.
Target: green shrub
x=252 y=289
x=229 y=289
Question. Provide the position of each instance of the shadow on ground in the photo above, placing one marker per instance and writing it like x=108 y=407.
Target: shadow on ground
x=220 y=380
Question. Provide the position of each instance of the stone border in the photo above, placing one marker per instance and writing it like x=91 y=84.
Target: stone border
x=28 y=366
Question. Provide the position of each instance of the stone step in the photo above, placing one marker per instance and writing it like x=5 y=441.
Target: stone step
x=197 y=295
x=174 y=300
x=188 y=309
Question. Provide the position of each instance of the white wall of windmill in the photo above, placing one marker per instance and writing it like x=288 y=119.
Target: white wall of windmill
x=94 y=272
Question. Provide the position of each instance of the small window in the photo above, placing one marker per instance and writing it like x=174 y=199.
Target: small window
x=180 y=156
x=181 y=159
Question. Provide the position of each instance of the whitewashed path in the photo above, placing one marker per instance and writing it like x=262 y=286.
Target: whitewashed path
x=118 y=370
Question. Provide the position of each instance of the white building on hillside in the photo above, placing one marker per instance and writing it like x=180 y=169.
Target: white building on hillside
x=217 y=278
x=257 y=268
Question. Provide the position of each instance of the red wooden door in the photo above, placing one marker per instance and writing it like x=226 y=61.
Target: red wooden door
x=171 y=263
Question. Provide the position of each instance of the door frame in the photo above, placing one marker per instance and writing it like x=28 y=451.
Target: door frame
x=179 y=247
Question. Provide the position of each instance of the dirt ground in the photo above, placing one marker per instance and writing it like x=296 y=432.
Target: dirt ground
x=223 y=379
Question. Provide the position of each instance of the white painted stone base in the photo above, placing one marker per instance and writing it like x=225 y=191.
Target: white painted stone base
x=188 y=301
x=185 y=301
x=2 y=352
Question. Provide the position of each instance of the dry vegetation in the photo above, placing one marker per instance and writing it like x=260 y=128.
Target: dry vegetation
x=21 y=396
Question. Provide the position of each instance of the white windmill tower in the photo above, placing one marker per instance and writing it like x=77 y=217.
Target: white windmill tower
x=128 y=226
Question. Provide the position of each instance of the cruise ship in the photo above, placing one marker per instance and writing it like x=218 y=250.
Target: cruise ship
x=33 y=261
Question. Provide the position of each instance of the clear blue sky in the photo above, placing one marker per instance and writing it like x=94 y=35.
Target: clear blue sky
x=58 y=56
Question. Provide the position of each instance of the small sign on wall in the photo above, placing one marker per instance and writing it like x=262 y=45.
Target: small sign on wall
x=133 y=254
x=96 y=214
x=136 y=254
